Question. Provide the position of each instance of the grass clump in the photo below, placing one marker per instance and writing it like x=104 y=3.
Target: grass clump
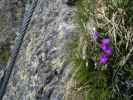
x=112 y=81
x=120 y=3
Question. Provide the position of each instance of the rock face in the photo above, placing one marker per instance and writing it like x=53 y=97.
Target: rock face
x=41 y=72
x=10 y=13
x=9 y=20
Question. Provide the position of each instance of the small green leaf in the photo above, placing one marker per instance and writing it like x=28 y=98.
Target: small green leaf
x=103 y=34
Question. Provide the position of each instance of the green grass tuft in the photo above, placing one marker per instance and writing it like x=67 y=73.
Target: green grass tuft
x=99 y=81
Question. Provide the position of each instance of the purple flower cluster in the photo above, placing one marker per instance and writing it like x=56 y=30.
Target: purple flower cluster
x=104 y=46
x=106 y=51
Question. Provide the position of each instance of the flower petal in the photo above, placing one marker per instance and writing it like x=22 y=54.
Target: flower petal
x=103 y=47
x=95 y=35
x=109 y=51
x=103 y=59
x=106 y=41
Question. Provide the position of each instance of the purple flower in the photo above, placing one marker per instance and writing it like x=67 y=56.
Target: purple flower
x=103 y=59
x=109 y=51
x=106 y=41
x=95 y=35
x=103 y=47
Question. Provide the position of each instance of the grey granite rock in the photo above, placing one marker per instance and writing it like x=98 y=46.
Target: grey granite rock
x=41 y=72
x=11 y=12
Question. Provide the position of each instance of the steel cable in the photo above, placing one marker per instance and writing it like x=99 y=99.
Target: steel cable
x=18 y=43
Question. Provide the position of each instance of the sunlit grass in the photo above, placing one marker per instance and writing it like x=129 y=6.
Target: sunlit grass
x=103 y=82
